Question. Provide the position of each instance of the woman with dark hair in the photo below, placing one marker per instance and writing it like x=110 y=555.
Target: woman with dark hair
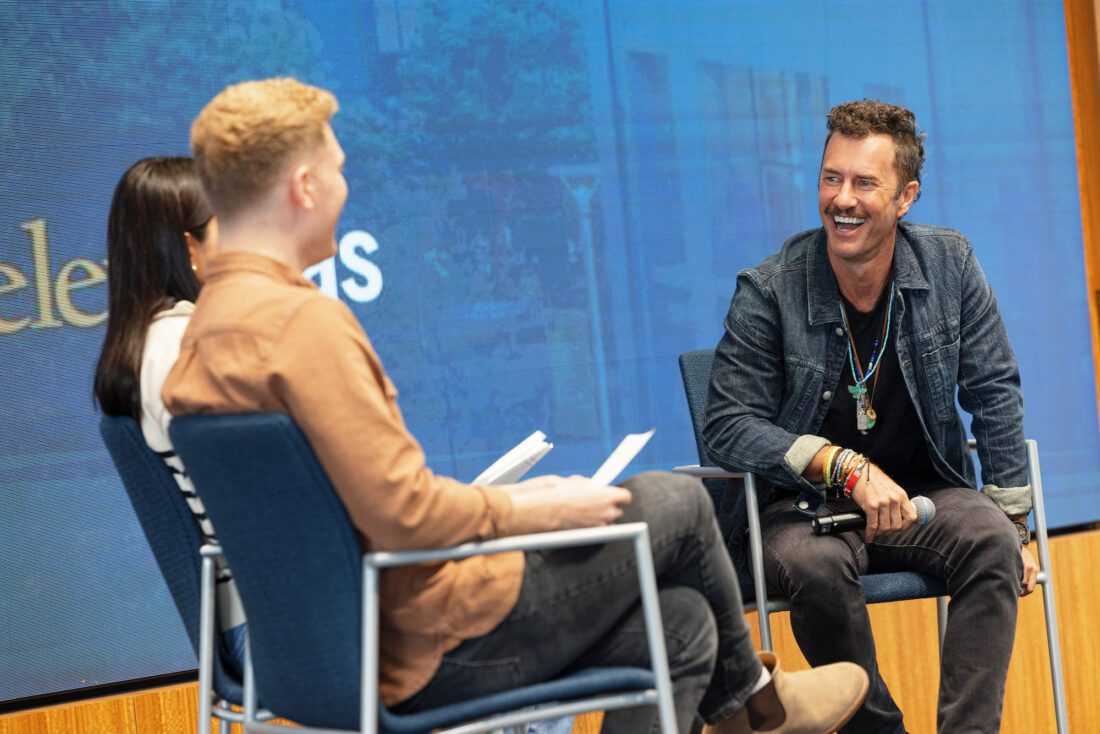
x=160 y=234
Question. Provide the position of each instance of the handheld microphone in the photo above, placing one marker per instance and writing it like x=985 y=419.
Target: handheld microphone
x=844 y=521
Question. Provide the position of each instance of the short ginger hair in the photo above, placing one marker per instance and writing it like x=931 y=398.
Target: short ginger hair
x=245 y=135
x=866 y=117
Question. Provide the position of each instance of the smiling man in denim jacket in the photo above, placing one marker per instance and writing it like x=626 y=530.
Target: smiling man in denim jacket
x=835 y=383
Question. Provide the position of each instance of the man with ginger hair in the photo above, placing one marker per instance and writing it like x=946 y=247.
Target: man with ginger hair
x=263 y=339
x=835 y=383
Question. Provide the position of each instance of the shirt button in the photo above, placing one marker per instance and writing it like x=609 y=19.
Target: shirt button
x=839 y=331
x=803 y=505
x=826 y=395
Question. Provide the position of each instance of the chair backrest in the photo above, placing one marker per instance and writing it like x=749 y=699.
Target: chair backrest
x=295 y=557
x=695 y=371
x=170 y=529
x=729 y=506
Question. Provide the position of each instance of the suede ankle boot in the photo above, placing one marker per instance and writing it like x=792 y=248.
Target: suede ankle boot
x=815 y=701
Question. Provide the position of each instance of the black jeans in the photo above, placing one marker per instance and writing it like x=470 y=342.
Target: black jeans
x=970 y=544
x=581 y=607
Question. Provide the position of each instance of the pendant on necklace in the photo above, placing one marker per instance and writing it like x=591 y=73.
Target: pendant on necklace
x=859 y=394
x=862 y=423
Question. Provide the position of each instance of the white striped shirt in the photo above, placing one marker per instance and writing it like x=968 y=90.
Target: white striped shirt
x=162 y=347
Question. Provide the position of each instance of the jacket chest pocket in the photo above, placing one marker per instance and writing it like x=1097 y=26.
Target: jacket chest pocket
x=941 y=369
x=803 y=392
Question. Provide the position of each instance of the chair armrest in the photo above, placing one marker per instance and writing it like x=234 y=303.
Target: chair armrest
x=752 y=514
x=211 y=551
x=637 y=532
x=537 y=541
x=708 y=472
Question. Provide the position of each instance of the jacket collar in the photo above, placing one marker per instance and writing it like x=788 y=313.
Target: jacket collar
x=823 y=295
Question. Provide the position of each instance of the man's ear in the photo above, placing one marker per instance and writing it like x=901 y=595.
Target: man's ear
x=301 y=188
x=907 y=197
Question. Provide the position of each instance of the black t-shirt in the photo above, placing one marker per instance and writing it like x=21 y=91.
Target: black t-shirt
x=896 y=442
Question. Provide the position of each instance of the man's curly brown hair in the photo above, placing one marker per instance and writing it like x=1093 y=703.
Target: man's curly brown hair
x=870 y=117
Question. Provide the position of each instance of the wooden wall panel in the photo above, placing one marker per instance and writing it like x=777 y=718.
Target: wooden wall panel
x=173 y=709
x=114 y=714
x=1082 y=30
x=1077 y=589
x=907 y=649
x=588 y=724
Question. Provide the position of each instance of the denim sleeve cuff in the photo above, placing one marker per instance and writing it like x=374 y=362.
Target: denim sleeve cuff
x=802 y=452
x=1011 y=500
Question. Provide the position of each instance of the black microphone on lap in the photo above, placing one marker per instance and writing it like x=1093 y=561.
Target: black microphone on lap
x=844 y=521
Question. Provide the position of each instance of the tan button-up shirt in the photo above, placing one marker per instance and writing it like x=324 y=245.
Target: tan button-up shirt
x=264 y=339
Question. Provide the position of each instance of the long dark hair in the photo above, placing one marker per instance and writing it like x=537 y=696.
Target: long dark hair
x=149 y=268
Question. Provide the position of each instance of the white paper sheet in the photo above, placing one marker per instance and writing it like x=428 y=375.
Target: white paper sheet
x=509 y=468
x=628 y=448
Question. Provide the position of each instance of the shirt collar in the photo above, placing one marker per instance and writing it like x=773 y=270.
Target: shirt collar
x=227 y=264
x=179 y=308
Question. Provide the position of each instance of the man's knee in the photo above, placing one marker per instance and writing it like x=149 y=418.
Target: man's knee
x=661 y=497
x=981 y=529
x=996 y=544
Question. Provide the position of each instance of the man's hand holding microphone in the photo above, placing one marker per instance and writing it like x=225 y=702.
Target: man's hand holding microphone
x=886 y=505
x=886 y=508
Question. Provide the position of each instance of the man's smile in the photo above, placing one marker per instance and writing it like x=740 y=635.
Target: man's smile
x=847 y=224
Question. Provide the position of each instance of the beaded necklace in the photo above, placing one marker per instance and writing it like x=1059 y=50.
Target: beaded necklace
x=865 y=413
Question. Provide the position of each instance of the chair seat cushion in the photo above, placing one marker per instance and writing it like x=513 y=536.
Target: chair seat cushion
x=879 y=588
x=901 y=586
x=588 y=682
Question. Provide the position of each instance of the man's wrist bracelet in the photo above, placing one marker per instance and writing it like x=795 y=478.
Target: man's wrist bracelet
x=853 y=478
x=842 y=469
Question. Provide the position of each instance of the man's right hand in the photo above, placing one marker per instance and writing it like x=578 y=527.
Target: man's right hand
x=561 y=503
x=886 y=505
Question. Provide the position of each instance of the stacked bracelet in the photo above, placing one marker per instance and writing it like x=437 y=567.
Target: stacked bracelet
x=853 y=478
x=827 y=467
x=842 y=470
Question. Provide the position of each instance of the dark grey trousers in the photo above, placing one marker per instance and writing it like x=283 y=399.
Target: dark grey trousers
x=581 y=607
x=970 y=544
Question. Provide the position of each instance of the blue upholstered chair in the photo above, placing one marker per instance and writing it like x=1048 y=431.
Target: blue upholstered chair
x=186 y=564
x=312 y=595
x=695 y=369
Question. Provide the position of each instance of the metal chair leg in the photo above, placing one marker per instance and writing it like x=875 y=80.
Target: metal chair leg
x=752 y=511
x=250 y=698
x=1035 y=478
x=206 y=645
x=941 y=619
x=1054 y=649
x=651 y=608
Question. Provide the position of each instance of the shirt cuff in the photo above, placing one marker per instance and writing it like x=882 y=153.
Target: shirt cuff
x=1011 y=500
x=802 y=452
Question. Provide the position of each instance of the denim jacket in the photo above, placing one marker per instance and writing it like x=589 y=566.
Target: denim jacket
x=784 y=348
